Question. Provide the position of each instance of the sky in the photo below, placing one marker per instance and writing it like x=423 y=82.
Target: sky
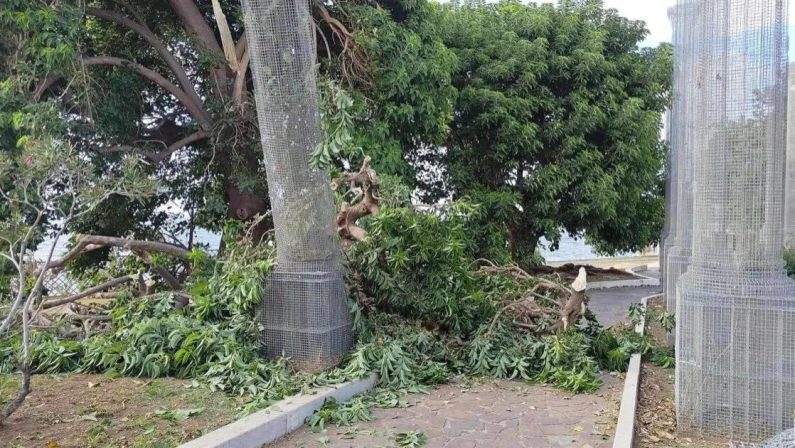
x=655 y=14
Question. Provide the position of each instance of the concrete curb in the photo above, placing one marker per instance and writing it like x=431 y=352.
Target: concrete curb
x=641 y=281
x=280 y=419
x=625 y=428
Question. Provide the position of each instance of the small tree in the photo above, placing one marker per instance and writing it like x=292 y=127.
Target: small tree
x=48 y=182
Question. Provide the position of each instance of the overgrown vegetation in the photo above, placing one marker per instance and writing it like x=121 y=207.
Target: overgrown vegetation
x=426 y=311
x=413 y=330
x=429 y=96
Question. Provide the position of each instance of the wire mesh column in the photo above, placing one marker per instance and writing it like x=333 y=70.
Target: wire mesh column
x=735 y=306
x=666 y=230
x=789 y=189
x=685 y=39
x=671 y=186
x=304 y=315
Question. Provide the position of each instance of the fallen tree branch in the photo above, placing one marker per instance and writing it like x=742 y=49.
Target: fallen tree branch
x=570 y=301
x=88 y=292
x=93 y=317
x=87 y=243
x=167 y=277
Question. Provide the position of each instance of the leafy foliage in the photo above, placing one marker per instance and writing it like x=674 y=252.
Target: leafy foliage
x=337 y=126
x=410 y=439
x=215 y=341
x=420 y=330
x=636 y=313
x=614 y=349
x=408 y=104
x=663 y=357
x=343 y=414
x=401 y=266
x=558 y=107
x=667 y=321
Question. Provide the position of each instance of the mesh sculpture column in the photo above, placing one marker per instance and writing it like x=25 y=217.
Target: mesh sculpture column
x=666 y=230
x=735 y=306
x=789 y=188
x=304 y=315
x=671 y=184
x=685 y=40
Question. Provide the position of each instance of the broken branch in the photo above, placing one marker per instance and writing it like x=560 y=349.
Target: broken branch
x=88 y=292
x=92 y=242
x=366 y=182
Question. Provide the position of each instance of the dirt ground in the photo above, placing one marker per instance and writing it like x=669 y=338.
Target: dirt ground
x=569 y=272
x=656 y=415
x=85 y=411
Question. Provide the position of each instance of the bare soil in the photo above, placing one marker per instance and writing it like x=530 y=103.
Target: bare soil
x=95 y=411
x=655 y=307
x=569 y=272
x=655 y=423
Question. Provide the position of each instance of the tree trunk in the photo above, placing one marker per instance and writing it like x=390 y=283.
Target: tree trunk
x=522 y=243
x=246 y=205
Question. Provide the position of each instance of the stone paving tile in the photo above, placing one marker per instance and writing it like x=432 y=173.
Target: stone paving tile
x=492 y=414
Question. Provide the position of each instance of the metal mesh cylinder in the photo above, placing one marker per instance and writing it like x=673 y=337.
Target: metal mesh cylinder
x=686 y=40
x=789 y=195
x=666 y=230
x=735 y=306
x=671 y=189
x=304 y=315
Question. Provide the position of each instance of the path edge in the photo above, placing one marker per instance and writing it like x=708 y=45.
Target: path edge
x=625 y=428
x=281 y=418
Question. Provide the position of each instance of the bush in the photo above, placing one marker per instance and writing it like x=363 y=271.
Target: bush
x=417 y=264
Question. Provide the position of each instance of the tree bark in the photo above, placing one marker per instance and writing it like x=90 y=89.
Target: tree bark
x=159 y=156
x=522 y=243
x=157 y=44
x=204 y=37
x=196 y=111
x=23 y=393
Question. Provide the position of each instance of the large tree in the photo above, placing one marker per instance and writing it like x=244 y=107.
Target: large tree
x=171 y=82
x=557 y=122
x=546 y=115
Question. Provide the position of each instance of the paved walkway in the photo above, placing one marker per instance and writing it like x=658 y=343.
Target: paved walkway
x=496 y=414
x=492 y=414
x=611 y=305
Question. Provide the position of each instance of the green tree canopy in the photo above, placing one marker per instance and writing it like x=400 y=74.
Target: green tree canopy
x=155 y=80
x=557 y=121
x=546 y=115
